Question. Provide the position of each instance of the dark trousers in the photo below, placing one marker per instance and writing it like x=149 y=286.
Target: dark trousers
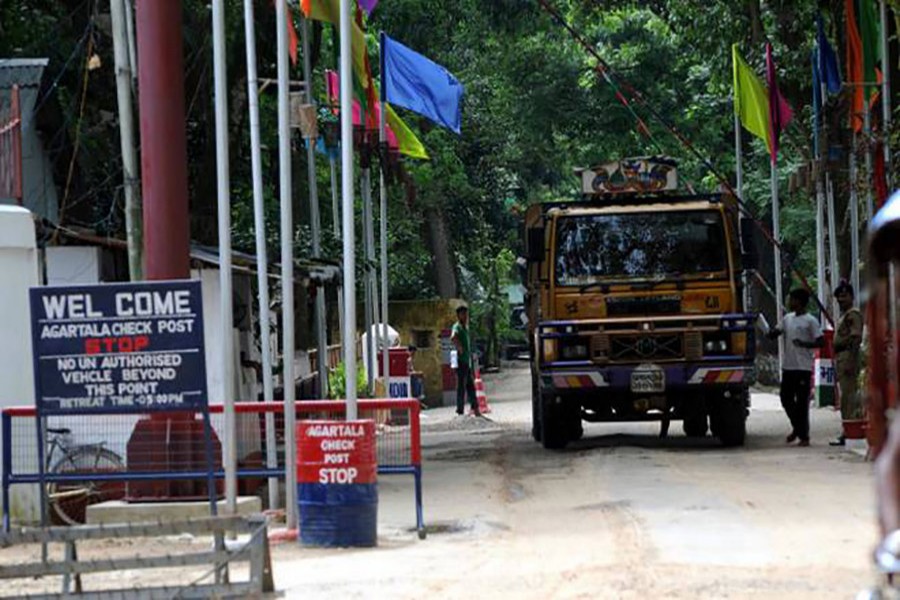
x=795 y=400
x=465 y=382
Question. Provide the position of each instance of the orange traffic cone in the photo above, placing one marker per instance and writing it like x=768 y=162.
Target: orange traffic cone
x=480 y=394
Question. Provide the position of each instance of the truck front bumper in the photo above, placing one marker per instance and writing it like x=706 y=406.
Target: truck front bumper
x=683 y=376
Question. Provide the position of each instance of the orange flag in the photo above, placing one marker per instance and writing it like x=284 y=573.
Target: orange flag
x=854 y=66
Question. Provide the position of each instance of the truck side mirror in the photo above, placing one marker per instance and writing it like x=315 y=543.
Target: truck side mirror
x=535 y=245
x=749 y=255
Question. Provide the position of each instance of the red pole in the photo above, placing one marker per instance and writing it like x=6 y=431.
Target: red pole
x=163 y=140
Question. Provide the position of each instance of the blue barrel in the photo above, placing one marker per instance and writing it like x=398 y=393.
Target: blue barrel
x=338 y=515
x=337 y=487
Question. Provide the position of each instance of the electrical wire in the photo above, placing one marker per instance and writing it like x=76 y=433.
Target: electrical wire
x=607 y=73
x=77 y=144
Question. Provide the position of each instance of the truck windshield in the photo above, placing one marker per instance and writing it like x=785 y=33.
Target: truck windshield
x=612 y=247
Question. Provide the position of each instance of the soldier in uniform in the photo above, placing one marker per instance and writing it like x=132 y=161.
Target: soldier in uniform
x=847 y=341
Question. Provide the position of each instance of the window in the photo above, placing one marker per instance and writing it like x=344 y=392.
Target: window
x=422 y=338
x=597 y=248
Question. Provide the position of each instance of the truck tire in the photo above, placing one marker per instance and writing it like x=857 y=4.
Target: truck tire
x=535 y=410
x=553 y=424
x=731 y=423
x=695 y=426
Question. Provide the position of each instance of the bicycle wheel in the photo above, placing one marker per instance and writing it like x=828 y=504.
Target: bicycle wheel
x=69 y=500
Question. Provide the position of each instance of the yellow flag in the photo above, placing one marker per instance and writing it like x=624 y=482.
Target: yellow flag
x=329 y=12
x=407 y=141
x=751 y=99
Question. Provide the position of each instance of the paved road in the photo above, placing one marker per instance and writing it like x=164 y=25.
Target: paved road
x=620 y=514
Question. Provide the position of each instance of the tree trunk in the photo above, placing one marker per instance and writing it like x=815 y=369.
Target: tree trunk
x=757 y=34
x=441 y=251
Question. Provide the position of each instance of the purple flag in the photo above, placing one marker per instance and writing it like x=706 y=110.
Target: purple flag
x=368 y=5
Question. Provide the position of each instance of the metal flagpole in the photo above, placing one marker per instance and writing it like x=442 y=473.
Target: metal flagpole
x=854 y=224
x=373 y=283
x=229 y=443
x=739 y=174
x=336 y=223
x=133 y=227
x=820 y=244
x=365 y=184
x=262 y=260
x=287 y=266
x=867 y=146
x=776 y=230
x=832 y=242
x=382 y=139
x=886 y=93
x=349 y=235
x=315 y=222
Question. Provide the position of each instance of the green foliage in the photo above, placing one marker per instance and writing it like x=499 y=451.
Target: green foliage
x=337 y=383
x=535 y=108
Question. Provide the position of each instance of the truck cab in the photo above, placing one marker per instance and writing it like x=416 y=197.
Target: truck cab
x=635 y=306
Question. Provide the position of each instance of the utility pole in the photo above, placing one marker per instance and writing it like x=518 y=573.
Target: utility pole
x=133 y=225
x=163 y=140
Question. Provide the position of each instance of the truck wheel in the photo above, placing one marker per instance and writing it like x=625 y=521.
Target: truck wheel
x=553 y=425
x=731 y=426
x=573 y=422
x=535 y=411
x=695 y=426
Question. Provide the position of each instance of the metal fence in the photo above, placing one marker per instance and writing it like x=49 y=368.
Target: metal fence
x=93 y=458
x=11 y=149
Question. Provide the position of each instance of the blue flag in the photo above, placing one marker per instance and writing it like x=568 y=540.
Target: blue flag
x=829 y=73
x=416 y=83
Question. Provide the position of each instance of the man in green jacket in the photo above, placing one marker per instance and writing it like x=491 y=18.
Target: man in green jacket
x=465 y=369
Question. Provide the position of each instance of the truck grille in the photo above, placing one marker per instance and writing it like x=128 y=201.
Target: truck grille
x=646 y=347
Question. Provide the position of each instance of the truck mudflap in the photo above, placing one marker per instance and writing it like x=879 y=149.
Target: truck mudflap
x=621 y=378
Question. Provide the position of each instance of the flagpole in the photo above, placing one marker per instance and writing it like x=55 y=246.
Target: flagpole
x=886 y=93
x=832 y=242
x=226 y=313
x=349 y=235
x=854 y=224
x=287 y=266
x=262 y=261
x=820 y=191
x=776 y=230
x=739 y=176
x=336 y=223
x=369 y=353
x=315 y=221
x=867 y=146
x=382 y=139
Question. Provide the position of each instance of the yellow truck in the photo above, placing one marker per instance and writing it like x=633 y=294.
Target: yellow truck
x=635 y=306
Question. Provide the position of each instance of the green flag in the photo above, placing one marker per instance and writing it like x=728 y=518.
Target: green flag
x=869 y=34
x=751 y=99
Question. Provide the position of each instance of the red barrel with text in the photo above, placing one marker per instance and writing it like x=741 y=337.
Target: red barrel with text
x=337 y=483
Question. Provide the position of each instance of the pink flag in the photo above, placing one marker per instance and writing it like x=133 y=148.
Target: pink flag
x=333 y=88
x=780 y=113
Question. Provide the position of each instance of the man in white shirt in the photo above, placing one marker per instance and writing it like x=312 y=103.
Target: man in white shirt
x=802 y=336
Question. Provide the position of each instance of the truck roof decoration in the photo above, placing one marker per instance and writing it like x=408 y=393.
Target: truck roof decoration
x=638 y=175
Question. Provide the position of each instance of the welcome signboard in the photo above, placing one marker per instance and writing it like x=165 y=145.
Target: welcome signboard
x=118 y=348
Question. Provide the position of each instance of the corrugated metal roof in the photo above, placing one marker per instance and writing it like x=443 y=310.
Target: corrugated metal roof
x=24 y=72
x=27 y=74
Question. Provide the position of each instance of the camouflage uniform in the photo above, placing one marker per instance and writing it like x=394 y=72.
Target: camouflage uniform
x=847 y=363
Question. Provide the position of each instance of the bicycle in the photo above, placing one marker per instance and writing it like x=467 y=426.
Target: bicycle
x=68 y=501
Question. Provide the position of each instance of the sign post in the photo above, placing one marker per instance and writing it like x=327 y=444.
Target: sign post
x=120 y=349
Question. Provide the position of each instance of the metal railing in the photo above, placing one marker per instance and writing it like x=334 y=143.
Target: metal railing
x=181 y=470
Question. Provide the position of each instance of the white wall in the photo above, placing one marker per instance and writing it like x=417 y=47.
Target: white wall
x=19 y=266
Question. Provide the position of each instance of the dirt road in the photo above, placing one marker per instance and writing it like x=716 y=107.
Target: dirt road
x=620 y=514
